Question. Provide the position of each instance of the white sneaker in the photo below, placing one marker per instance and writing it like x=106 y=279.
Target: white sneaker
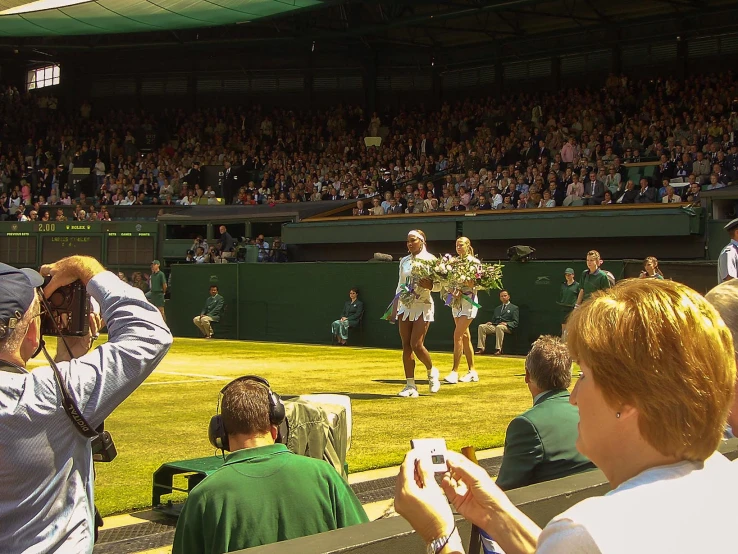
x=408 y=392
x=434 y=383
x=471 y=377
x=452 y=378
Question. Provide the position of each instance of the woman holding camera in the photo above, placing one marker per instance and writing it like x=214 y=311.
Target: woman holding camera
x=353 y=311
x=414 y=311
x=651 y=418
x=464 y=310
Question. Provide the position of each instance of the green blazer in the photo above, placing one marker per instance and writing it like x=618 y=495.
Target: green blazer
x=511 y=315
x=353 y=312
x=213 y=307
x=540 y=443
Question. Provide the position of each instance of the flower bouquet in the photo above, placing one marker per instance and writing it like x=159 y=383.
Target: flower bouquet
x=419 y=270
x=465 y=275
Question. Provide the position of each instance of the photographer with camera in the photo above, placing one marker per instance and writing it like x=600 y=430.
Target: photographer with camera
x=49 y=416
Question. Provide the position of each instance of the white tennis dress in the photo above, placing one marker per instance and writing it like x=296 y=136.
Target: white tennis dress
x=467 y=308
x=422 y=305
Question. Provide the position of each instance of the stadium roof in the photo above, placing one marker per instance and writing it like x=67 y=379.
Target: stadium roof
x=445 y=33
x=23 y=18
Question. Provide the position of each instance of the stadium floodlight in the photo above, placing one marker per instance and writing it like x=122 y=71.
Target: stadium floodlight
x=40 y=5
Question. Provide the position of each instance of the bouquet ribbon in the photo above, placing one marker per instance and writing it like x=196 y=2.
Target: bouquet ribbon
x=465 y=296
x=403 y=288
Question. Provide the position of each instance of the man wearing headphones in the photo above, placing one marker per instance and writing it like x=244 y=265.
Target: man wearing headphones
x=46 y=473
x=263 y=493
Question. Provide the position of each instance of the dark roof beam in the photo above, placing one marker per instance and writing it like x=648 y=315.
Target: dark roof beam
x=435 y=17
x=577 y=18
x=514 y=25
x=604 y=18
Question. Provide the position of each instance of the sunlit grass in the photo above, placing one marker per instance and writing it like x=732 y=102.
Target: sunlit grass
x=167 y=418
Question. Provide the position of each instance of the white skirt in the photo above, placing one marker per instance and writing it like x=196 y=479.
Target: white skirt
x=417 y=310
x=466 y=309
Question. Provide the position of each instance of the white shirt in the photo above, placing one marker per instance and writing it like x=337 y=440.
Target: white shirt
x=681 y=508
x=728 y=262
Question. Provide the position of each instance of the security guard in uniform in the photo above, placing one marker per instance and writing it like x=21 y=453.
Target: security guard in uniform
x=728 y=259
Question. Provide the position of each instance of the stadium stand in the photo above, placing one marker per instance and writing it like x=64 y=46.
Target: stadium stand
x=471 y=155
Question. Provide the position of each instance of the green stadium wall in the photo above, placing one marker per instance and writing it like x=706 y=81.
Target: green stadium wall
x=297 y=302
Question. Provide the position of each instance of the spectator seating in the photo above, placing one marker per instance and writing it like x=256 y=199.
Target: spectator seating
x=483 y=150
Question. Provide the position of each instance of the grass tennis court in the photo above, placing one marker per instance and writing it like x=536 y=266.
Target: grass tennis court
x=166 y=419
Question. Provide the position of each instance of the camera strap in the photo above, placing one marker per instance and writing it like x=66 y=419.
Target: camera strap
x=70 y=406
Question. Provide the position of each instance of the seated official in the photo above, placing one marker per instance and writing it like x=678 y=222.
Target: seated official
x=263 y=493
x=505 y=318
x=650 y=418
x=210 y=313
x=540 y=443
x=353 y=311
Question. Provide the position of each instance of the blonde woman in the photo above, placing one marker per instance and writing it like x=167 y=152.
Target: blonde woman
x=650 y=418
x=414 y=315
x=464 y=311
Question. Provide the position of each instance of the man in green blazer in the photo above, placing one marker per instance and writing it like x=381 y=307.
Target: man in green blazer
x=540 y=443
x=210 y=313
x=504 y=319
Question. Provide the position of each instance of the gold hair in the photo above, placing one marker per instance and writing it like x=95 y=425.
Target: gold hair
x=466 y=243
x=662 y=348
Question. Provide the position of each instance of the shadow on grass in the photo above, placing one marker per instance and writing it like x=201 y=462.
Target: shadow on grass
x=351 y=395
x=365 y=395
x=399 y=381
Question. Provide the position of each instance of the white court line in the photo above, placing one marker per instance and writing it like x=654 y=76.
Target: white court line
x=186 y=381
x=205 y=376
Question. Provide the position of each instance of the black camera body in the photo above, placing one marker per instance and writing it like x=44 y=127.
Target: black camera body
x=68 y=311
x=103 y=448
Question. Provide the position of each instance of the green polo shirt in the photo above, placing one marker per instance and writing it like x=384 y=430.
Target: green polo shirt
x=592 y=282
x=264 y=495
x=569 y=294
x=157 y=282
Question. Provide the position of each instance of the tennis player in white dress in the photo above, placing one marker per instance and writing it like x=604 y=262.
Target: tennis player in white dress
x=414 y=315
x=464 y=309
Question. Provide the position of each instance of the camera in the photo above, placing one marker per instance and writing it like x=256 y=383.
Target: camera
x=433 y=449
x=103 y=448
x=67 y=311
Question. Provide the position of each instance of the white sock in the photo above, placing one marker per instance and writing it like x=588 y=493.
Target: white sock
x=411 y=383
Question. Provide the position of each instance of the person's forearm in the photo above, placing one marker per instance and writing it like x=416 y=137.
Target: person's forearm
x=138 y=340
x=515 y=532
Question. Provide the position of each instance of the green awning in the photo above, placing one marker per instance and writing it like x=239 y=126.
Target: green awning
x=85 y=17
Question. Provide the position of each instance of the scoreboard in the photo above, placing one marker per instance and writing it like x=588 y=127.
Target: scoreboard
x=32 y=244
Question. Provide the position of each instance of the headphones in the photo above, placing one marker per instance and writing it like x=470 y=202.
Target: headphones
x=217 y=433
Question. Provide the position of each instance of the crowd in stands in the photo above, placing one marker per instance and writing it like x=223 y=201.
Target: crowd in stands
x=523 y=151
x=227 y=248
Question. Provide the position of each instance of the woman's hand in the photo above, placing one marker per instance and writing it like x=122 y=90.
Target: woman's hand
x=426 y=283
x=419 y=499
x=471 y=490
